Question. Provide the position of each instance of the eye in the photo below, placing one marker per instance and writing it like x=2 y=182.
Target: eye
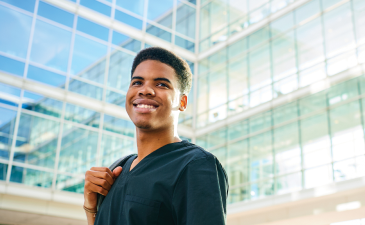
x=136 y=83
x=162 y=85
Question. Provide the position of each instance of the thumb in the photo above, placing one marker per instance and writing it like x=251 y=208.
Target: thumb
x=117 y=171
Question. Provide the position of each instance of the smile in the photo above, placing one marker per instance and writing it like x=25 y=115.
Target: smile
x=145 y=106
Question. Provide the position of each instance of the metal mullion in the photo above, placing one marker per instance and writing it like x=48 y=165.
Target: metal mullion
x=173 y=27
x=12 y=56
x=33 y=167
x=42 y=66
x=300 y=144
x=72 y=45
x=37 y=114
x=117 y=7
x=144 y=25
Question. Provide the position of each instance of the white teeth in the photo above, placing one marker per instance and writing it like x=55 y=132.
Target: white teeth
x=145 y=106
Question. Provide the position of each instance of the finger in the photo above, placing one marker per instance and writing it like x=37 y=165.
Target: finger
x=102 y=169
x=93 y=188
x=117 y=171
x=100 y=182
x=102 y=175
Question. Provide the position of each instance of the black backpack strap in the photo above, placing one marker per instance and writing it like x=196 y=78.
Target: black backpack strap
x=119 y=162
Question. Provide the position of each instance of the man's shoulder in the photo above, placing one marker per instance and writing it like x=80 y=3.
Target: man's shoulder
x=195 y=152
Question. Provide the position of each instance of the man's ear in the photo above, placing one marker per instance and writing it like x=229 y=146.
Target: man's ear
x=183 y=102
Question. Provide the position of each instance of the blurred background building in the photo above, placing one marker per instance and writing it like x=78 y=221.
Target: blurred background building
x=278 y=96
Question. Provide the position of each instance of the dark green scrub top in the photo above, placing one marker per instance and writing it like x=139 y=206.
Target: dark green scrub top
x=179 y=183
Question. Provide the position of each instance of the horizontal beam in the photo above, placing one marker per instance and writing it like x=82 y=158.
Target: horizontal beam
x=293 y=96
x=121 y=27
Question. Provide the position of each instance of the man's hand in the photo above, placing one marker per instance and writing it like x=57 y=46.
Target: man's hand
x=98 y=180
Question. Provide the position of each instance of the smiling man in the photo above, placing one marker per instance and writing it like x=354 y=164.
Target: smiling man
x=170 y=181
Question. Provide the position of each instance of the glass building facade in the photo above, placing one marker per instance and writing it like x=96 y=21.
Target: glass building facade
x=278 y=93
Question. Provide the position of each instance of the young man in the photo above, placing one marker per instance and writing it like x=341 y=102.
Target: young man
x=170 y=181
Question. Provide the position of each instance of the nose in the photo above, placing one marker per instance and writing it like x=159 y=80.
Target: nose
x=146 y=90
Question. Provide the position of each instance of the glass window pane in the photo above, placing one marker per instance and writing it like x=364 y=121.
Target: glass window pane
x=26 y=5
x=238 y=77
x=285 y=113
x=283 y=56
x=36 y=141
x=51 y=46
x=118 y=125
x=260 y=71
x=328 y=3
x=259 y=37
x=86 y=89
x=310 y=44
x=120 y=70
x=345 y=170
x=260 y=96
x=260 y=122
x=9 y=95
x=221 y=154
x=238 y=130
x=135 y=6
x=217 y=97
x=92 y=29
x=286 y=85
x=237 y=163
x=53 y=13
x=128 y=19
x=181 y=42
x=261 y=156
x=42 y=104
x=216 y=138
x=306 y=11
x=97 y=6
x=160 y=11
x=3 y=171
x=185 y=20
x=78 y=150
x=158 y=32
x=318 y=176
x=17 y=27
x=71 y=184
x=359 y=14
x=262 y=189
x=113 y=148
x=11 y=66
x=115 y=98
x=312 y=74
x=82 y=115
x=341 y=63
x=339 y=31
x=31 y=177
x=7 y=124
x=45 y=76
x=281 y=25
x=288 y=183
x=86 y=54
x=126 y=42
x=312 y=103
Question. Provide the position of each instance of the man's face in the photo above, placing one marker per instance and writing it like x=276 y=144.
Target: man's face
x=153 y=98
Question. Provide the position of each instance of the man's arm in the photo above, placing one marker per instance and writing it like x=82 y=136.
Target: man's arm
x=200 y=194
x=97 y=180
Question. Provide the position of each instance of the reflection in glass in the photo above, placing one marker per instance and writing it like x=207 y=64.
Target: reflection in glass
x=126 y=42
x=118 y=125
x=7 y=123
x=92 y=29
x=3 y=171
x=86 y=89
x=31 y=177
x=9 y=95
x=119 y=70
x=113 y=148
x=97 y=6
x=36 y=141
x=135 y=6
x=41 y=104
x=185 y=20
x=53 y=13
x=306 y=11
x=45 y=76
x=128 y=19
x=69 y=183
x=78 y=150
x=188 y=45
x=51 y=46
x=160 y=11
x=115 y=98
x=11 y=66
x=86 y=55
x=17 y=27
x=82 y=115
x=158 y=32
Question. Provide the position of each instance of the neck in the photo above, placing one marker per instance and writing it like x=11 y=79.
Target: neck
x=148 y=141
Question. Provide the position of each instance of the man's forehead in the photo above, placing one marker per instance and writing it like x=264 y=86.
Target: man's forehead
x=152 y=69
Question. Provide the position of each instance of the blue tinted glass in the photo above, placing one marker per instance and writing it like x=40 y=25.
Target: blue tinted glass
x=11 y=66
x=185 y=20
x=86 y=53
x=120 y=70
x=93 y=29
x=146 y=45
x=115 y=98
x=42 y=104
x=128 y=19
x=126 y=42
x=55 y=14
x=97 y=6
x=119 y=126
x=82 y=115
x=135 y=6
x=9 y=95
x=192 y=1
x=3 y=170
x=86 y=89
x=51 y=46
x=304 y=12
x=158 y=32
x=185 y=43
x=160 y=11
x=46 y=77
x=16 y=26
x=7 y=123
x=24 y=4
x=31 y=177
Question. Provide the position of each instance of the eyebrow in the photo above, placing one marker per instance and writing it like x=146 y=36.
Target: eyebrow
x=156 y=79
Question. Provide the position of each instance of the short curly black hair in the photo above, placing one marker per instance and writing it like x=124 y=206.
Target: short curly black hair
x=180 y=66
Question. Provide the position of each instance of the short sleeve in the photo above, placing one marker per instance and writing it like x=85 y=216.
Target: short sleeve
x=200 y=193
